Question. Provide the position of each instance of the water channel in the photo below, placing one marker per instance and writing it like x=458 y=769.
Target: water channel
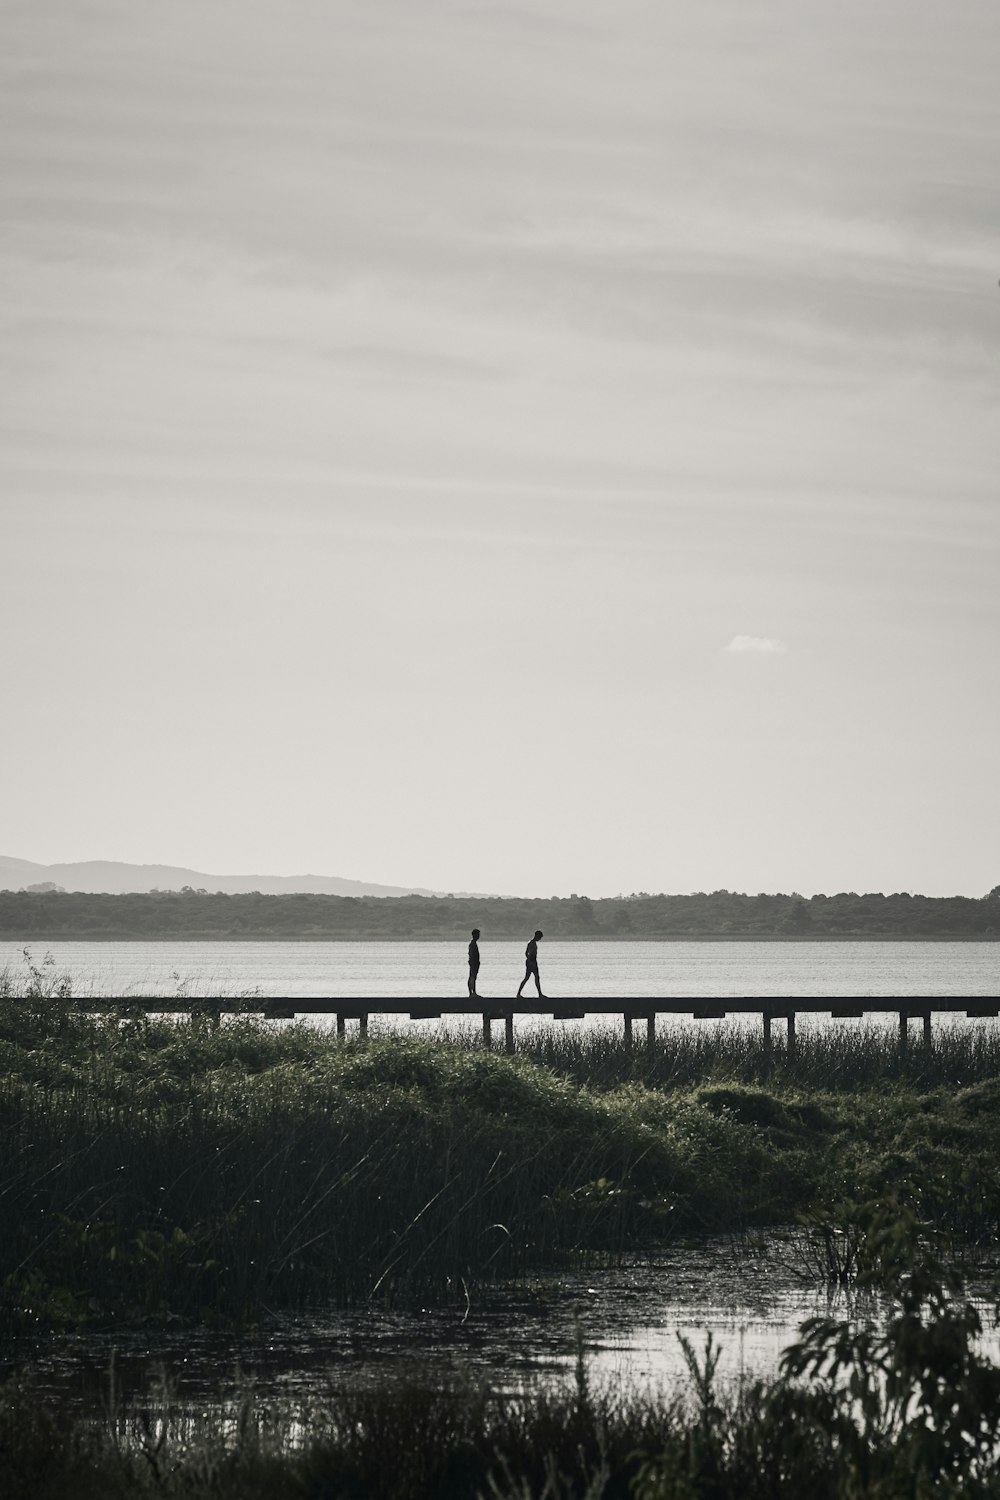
x=750 y=1295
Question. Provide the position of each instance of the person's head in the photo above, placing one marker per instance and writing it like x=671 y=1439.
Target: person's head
x=475 y=932
x=537 y=935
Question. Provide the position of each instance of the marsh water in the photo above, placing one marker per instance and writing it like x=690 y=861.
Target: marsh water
x=751 y=1297
x=625 y=1318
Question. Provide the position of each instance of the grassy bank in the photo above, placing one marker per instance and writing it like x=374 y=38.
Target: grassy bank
x=905 y=1406
x=156 y=1169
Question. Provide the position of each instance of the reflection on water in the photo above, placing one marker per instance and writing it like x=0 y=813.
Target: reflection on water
x=626 y=1317
x=751 y=1296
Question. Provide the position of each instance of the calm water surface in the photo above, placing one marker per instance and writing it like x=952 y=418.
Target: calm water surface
x=712 y=970
x=750 y=1296
x=627 y=1319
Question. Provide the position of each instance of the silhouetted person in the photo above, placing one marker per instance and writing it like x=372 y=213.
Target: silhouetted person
x=473 y=960
x=531 y=967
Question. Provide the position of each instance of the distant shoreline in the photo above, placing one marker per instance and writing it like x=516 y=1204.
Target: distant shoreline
x=714 y=917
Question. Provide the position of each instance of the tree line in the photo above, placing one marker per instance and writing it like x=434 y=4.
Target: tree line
x=718 y=914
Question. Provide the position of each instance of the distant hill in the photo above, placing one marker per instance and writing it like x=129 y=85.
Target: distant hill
x=110 y=877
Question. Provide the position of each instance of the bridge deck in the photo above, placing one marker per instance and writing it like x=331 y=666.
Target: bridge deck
x=561 y=1008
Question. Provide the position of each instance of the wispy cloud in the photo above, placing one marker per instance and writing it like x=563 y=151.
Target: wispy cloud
x=759 y=643
x=618 y=322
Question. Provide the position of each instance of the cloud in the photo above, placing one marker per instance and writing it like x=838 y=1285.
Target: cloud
x=757 y=643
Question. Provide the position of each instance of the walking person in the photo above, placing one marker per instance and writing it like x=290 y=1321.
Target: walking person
x=531 y=966
x=474 y=962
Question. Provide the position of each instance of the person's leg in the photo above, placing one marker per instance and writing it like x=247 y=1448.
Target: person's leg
x=527 y=975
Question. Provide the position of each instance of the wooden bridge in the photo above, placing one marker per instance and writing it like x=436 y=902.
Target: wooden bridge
x=358 y=1008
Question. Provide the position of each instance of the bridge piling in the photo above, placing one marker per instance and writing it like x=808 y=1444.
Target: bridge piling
x=207 y=1010
x=905 y=1016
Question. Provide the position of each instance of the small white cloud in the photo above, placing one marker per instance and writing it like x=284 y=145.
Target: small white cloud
x=755 y=643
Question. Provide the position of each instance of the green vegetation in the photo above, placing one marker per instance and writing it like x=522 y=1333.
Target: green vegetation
x=156 y=1168
x=30 y=915
x=159 y=1170
x=905 y=1406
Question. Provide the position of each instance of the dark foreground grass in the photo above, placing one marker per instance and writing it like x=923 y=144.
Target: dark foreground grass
x=154 y=1169
x=904 y=1406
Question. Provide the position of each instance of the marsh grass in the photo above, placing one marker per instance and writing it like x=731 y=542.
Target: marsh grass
x=837 y=1057
x=402 y=1441
x=156 y=1168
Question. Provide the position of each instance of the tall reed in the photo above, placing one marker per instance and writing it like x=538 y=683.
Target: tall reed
x=155 y=1167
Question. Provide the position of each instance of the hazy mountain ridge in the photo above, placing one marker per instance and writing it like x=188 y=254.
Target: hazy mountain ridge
x=116 y=878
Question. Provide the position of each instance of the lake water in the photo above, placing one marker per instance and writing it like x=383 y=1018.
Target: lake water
x=434 y=970
x=712 y=970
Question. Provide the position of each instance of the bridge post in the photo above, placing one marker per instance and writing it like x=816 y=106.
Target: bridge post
x=487 y=1032
x=363 y=1024
x=767 y=1041
x=927 y=1028
x=791 y=1036
x=628 y=1029
x=340 y=1026
x=903 y=1031
x=651 y=1032
x=509 y=1032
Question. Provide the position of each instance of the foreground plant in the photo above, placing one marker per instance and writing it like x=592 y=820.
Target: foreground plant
x=905 y=1406
x=915 y=1395
x=901 y=1405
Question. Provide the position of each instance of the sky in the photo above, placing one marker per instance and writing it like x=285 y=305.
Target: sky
x=531 y=447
